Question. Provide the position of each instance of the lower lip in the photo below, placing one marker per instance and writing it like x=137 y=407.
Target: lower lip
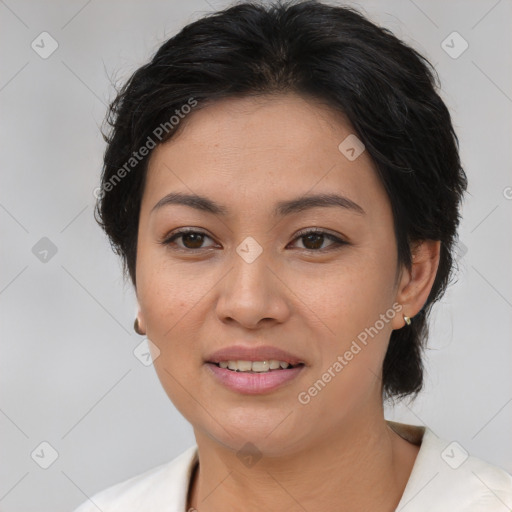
x=254 y=383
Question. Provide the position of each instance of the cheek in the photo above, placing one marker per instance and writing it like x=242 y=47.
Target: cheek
x=357 y=308
x=353 y=296
x=165 y=294
x=170 y=303
x=167 y=299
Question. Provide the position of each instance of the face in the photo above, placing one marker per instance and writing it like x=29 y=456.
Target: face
x=253 y=275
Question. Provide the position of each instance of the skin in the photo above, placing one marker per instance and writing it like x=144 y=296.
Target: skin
x=247 y=154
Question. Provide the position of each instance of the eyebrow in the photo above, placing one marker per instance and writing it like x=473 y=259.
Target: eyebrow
x=281 y=209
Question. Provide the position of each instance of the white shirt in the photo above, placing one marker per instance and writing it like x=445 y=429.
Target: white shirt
x=444 y=478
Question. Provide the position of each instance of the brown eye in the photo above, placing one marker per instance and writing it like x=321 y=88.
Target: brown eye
x=314 y=239
x=190 y=239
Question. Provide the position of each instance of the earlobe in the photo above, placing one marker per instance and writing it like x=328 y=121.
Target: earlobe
x=416 y=283
x=137 y=328
x=139 y=324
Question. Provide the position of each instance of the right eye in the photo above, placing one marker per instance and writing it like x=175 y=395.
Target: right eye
x=191 y=239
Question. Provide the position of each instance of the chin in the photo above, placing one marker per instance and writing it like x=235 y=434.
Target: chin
x=269 y=436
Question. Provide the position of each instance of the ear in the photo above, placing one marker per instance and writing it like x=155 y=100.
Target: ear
x=139 y=322
x=415 y=284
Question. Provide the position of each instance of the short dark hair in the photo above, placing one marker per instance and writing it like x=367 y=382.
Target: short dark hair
x=385 y=88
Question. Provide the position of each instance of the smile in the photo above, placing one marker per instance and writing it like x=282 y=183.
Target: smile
x=255 y=366
x=253 y=382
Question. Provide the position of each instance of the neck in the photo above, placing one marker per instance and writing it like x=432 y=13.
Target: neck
x=366 y=466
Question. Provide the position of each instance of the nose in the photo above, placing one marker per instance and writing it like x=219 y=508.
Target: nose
x=252 y=294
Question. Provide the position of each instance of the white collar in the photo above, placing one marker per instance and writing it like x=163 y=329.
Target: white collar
x=443 y=478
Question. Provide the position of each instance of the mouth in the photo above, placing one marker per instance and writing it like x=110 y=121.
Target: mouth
x=250 y=369
x=249 y=382
x=244 y=357
x=246 y=366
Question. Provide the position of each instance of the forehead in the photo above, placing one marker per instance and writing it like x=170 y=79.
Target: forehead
x=255 y=148
x=286 y=122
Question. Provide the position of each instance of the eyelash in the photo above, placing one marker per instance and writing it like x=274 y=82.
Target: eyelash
x=168 y=241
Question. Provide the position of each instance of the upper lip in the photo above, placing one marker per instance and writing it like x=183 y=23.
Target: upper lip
x=253 y=353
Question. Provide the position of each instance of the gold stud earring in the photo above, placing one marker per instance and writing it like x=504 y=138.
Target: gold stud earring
x=407 y=320
x=136 y=327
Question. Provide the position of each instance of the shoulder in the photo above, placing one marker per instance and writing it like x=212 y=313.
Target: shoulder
x=446 y=477
x=479 y=485
x=165 y=485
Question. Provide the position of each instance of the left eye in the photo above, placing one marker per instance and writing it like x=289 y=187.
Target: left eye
x=313 y=240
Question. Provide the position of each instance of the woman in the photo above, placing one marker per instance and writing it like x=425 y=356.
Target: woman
x=283 y=184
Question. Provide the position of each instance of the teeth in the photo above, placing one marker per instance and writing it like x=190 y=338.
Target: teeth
x=254 y=366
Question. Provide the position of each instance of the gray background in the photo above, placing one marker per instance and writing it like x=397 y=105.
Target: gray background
x=69 y=376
